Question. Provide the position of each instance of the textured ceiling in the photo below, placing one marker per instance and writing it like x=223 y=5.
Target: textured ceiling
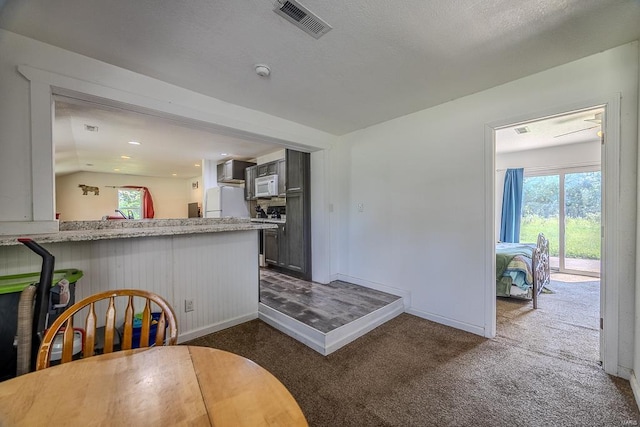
x=566 y=129
x=381 y=60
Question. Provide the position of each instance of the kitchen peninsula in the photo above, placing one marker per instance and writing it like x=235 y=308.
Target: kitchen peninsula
x=212 y=263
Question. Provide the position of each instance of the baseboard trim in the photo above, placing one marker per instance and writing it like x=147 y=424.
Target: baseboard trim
x=624 y=373
x=406 y=295
x=635 y=387
x=206 y=330
x=350 y=332
x=478 y=330
x=295 y=329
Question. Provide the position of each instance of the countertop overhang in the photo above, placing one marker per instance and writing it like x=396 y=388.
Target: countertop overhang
x=269 y=220
x=79 y=231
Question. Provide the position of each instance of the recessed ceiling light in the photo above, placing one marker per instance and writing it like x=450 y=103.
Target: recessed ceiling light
x=134 y=143
x=223 y=154
x=197 y=165
x=89 y=164
x=174 y=174
x=117 y=170
x=125 y=157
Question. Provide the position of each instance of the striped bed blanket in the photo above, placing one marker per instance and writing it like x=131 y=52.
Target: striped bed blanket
x=513 y=268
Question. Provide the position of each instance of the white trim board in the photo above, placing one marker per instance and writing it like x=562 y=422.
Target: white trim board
x=611 y=200
x=478 y=330
x=406 y=295
x=635 y=387
x=210 y=329
x=327 y=343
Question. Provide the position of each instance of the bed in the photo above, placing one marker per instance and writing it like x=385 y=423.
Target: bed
x=522 y=269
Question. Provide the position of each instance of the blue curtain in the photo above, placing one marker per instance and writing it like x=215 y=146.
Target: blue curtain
x=511 y=206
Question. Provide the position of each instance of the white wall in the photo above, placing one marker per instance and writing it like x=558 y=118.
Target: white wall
x=26 y=163
x=276 y=155
x=564 y=156
x=170 y=195
x=421 y=181
x=218 y=271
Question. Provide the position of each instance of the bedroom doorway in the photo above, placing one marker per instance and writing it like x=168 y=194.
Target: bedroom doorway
x=559 y=157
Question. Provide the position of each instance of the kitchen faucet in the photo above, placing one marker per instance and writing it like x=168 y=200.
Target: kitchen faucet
x=122 y=213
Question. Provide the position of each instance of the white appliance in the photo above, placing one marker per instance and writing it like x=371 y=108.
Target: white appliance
x=267 y=186
x=225 y=201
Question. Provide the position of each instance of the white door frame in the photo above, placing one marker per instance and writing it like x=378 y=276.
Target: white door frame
x=609 y=275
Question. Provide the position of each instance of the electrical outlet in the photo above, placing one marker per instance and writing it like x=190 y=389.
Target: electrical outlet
x=188 y=305
x=360 y=207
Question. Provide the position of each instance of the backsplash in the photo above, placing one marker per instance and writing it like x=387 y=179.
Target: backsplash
x=267 y=203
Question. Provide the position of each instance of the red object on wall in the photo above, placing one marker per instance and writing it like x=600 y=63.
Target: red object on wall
x=147 y=201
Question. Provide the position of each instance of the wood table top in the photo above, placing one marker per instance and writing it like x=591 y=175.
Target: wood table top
x=166 y=386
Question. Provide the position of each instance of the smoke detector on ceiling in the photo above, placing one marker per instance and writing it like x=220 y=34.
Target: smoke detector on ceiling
x=263 y=70
x=301 y=17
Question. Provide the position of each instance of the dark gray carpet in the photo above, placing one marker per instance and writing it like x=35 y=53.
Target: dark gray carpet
x=541 y=370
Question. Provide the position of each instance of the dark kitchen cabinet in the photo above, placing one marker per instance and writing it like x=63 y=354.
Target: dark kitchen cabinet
x=296 y=238
x=270 y=168
x=250 y=182
x=283 y=249
x=298 y=231
x=271 y=247
x=282 y=177
x=289 y=247
x=297 y=170
x=232 y=171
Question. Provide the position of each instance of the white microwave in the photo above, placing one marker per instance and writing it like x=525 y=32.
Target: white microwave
x=267 y=186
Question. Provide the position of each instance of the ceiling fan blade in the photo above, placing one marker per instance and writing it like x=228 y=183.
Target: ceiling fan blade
x=576 y=131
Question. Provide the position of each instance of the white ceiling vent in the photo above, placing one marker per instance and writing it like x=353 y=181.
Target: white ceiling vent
x=301 y=17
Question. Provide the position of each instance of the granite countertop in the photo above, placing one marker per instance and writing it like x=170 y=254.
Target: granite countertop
x=79 y=231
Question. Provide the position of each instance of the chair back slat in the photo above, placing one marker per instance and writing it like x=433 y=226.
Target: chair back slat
x=67 y=342
x=90 y=329
x=110 y=326
x=128 y=325
x=146 y=325
x=162 y=323
x=165 y=322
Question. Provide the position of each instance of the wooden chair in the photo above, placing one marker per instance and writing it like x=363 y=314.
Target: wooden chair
x=65 y=322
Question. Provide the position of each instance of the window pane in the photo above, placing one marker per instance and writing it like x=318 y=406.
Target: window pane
x=582 y=221
x=541 y=212
x=130 y=202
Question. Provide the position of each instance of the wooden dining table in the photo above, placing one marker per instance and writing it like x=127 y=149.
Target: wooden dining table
x=160 y=386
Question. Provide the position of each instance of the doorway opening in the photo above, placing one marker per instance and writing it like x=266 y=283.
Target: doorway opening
x=561 y=193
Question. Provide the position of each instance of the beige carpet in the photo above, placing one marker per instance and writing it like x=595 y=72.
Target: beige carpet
x=541 y=370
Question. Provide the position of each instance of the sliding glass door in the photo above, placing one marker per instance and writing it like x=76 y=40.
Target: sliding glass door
x=565 y=206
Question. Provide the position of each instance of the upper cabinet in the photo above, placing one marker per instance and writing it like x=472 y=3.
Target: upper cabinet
x=270 y=168
x=282 y=177
x=276 y=167
x=297 y=170
x=232 y=171
x=250 y=182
